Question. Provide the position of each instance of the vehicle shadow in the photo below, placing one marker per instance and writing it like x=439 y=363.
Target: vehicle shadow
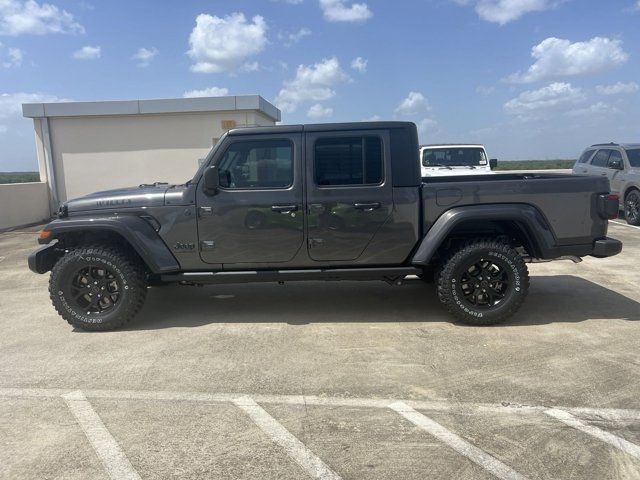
x=552 y=299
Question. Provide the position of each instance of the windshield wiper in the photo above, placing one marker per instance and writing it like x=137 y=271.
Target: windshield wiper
x=440 y=165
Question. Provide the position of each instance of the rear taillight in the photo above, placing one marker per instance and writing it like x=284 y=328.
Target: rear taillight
x=608 y=205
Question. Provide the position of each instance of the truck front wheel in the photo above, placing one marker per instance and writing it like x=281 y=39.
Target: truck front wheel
x=483 y=283
x=97 y=287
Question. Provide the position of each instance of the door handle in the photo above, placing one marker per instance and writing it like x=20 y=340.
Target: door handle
x=367 y=207
x=284 y=209
x=604 y=174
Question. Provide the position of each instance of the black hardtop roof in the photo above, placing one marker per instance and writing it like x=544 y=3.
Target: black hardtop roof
x=321 y=127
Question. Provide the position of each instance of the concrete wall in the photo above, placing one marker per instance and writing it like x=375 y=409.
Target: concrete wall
x=99 y=153
x=23 y=203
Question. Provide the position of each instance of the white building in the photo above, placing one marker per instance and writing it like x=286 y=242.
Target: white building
x=83 y=147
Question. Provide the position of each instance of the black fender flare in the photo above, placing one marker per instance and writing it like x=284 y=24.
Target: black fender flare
x=528 y=216
x=136 y=231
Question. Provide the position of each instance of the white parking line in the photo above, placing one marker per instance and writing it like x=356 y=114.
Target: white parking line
x=624 y=224
x=473 y=453
x=294 y=447
x=113 y=458
x=610 y=438
x=460 y=408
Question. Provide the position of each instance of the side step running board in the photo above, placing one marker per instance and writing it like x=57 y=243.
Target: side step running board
x=390 y=275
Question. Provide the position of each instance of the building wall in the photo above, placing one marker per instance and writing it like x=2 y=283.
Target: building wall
x=99 y=153
x=23 y=204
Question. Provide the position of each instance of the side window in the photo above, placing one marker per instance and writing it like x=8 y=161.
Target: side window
x=348 y=161
x=615 y=155
x=257 y=164
x=601 y=158
x=584 y=158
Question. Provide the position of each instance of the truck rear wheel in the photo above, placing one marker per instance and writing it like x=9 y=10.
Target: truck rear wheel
x=97 y=287
x=483 y=283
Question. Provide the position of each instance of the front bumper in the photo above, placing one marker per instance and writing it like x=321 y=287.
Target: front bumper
x=44 y=258
x=606 y=247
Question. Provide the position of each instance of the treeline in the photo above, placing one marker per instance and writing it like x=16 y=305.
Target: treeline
x=535 y=164
x=19 y=177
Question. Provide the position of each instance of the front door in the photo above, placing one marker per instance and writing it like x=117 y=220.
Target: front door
x=349 y=192
x=257 y=215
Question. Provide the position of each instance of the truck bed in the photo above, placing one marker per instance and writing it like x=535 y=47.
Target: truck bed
x=567 y=204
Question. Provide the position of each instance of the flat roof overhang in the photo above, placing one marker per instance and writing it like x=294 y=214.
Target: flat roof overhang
x=150 y=107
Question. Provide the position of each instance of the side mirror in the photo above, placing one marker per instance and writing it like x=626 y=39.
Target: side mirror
x=211 y=180
x=616 y=164
x=493 y=163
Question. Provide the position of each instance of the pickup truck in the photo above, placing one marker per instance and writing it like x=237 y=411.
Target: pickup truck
x=321 y=202
x=444 y=160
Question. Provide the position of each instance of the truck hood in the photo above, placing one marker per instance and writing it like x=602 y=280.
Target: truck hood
x=455 y=171
x=134 y=197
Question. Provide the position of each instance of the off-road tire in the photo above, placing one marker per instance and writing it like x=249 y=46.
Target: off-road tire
x=450 y=290
x=632 y=217
x=126 y=269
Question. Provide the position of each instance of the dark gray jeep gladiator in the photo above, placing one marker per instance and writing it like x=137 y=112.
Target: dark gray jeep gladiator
x=321 y=202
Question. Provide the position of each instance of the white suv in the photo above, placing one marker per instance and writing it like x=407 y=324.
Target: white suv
x=621 y=163
x=454 y=160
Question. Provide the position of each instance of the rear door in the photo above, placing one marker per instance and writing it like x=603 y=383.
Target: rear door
x=349 y=192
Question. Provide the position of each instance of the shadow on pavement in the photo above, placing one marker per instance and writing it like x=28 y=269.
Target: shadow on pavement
x=552 y=299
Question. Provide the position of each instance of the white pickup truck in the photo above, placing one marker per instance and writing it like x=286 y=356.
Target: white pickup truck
x=455 y=160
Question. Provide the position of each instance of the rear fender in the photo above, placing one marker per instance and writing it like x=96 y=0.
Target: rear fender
x=535 y=226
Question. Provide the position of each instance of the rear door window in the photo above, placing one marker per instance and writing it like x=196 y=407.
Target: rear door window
x=601 y=158
x=348 y=161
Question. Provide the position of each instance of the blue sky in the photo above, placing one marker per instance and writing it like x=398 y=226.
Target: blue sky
x=529 y=78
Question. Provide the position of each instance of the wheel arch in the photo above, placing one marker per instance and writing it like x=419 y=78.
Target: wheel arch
x=522 y=222
x=130 y=232
x=629 y=189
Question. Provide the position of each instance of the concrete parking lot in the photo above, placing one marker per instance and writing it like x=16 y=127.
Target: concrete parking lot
x=326 y=380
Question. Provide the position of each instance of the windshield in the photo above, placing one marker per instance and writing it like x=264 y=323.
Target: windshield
x=454 y=157
x=634 y=157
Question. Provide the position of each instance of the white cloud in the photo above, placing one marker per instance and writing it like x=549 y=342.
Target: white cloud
x=10 y=57
x=505 y=11
x=144 y=56
x=414 y=104
x=88 y=52
x=618 y=88
x=224 y=44
x=3 y=129
x=318 y=111
x=343 y=11
x=373 y=118
x=207 y=92
x=556 y=57
x=600 y=108
x=29 y=17
x=359 y=64
x=312 y=83
x=555 y=97
x=290 y=38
